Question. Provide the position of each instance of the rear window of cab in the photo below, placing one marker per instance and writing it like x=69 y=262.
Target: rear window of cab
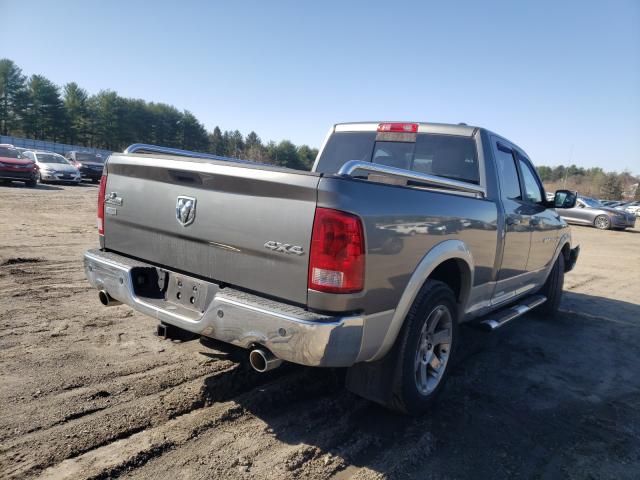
x=448 y=156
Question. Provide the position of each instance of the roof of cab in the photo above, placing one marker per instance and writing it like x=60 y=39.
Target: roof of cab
x=423 y=127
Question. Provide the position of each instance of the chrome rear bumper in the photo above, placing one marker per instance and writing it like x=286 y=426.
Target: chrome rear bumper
x=245 y=320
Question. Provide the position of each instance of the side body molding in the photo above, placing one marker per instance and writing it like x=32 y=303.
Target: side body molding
x=449 y=249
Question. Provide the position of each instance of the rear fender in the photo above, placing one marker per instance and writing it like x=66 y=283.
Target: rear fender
x=447 y=250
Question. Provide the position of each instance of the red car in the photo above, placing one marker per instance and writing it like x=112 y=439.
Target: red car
x=14 y=167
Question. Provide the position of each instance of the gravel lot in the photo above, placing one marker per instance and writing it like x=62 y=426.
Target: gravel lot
x=90 y=392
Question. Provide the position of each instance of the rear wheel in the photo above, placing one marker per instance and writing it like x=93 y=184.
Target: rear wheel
x=602 y=222
x=426 y=344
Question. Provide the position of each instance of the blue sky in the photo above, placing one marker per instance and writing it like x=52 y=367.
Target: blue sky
x=561 y=79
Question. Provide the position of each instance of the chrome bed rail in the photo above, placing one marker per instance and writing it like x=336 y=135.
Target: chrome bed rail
x=352 y=166
x=146 y=148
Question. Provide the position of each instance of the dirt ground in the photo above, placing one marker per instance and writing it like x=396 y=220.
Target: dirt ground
x=91 y=392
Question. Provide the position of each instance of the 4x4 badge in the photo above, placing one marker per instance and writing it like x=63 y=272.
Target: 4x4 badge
x=284 y=247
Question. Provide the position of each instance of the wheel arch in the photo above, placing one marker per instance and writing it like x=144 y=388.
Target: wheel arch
x=450 y=262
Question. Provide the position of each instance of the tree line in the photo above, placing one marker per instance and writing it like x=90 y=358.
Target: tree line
x=34 y=107
x=591 y=182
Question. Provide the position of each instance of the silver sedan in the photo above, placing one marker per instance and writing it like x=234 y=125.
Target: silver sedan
x=589 y=211
x=53 y=167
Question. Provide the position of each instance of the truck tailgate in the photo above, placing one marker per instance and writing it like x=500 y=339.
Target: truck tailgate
x=238 y=209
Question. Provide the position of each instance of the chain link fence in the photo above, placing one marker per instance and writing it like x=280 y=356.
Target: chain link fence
x=60 y=148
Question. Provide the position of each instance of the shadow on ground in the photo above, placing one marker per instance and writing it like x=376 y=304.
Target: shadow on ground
x=542 y=398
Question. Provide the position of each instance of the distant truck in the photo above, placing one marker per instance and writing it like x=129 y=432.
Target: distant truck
x=370 y=261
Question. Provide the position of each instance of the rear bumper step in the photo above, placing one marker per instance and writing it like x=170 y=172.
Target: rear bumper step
x=245 y=320
x=502 y=317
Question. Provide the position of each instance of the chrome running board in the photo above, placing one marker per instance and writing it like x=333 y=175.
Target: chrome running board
x=502 y=317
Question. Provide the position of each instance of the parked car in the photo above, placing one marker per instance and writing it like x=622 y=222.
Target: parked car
x=90 y=164
x=292 y=265
x=632 y=207
x=589 y=211
x=13 y=166
x=53 y=167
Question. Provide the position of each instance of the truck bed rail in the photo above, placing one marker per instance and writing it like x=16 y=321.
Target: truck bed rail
x=352 y=166
x=146 y=148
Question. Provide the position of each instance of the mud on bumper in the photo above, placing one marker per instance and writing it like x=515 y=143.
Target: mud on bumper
x=240 y=318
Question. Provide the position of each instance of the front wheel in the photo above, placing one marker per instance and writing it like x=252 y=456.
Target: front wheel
x=33 y=183
x=426 y=345
x=602 y=222
x=552 y=288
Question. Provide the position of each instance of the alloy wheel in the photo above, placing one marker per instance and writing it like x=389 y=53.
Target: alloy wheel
x=433 y=350
x=602 y=222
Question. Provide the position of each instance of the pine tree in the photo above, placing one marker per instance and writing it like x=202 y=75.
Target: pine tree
x=216 y=142
x=194 y=135
x=75 y=103
x=45 y=113
x=12 y=97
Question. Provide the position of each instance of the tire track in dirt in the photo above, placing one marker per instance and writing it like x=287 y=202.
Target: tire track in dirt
x=213 y=426
x=87 y=399
x=74 y=437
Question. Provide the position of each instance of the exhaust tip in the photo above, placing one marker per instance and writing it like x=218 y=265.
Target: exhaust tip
x=106 y=299
x=263 y=360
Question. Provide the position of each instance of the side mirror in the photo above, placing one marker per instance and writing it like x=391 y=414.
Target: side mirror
x=565 y=199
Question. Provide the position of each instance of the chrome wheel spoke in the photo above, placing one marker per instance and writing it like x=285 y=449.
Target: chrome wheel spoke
x=433 y=322
x=442 y=336
x=435 y=362
x=423 y=376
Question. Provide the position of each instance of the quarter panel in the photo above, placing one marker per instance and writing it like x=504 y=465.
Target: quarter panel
x=401 y=225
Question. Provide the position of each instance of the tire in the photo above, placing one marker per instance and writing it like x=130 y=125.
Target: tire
x=32 y=183
x=602 y=222
x=418 y=378
x=552 y=289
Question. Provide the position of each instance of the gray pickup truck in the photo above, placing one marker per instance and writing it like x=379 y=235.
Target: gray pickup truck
x=370 y=261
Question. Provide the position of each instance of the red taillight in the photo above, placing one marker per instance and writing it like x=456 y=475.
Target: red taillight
x=398 y=127
x=336 y=260
x=101 y=194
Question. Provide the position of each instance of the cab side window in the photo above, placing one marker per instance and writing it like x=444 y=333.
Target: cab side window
x=533 y=192
x=507 y=174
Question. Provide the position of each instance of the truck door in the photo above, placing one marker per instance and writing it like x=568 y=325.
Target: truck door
x=545 y=225
x=517 y=236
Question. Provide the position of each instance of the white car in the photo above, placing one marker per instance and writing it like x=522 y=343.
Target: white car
x=633 y=207
x=53 y=167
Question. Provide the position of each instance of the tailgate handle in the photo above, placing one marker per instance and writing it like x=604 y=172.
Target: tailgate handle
x=182 y=176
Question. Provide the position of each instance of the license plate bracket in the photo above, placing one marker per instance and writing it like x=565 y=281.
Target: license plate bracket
x=186 y=292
